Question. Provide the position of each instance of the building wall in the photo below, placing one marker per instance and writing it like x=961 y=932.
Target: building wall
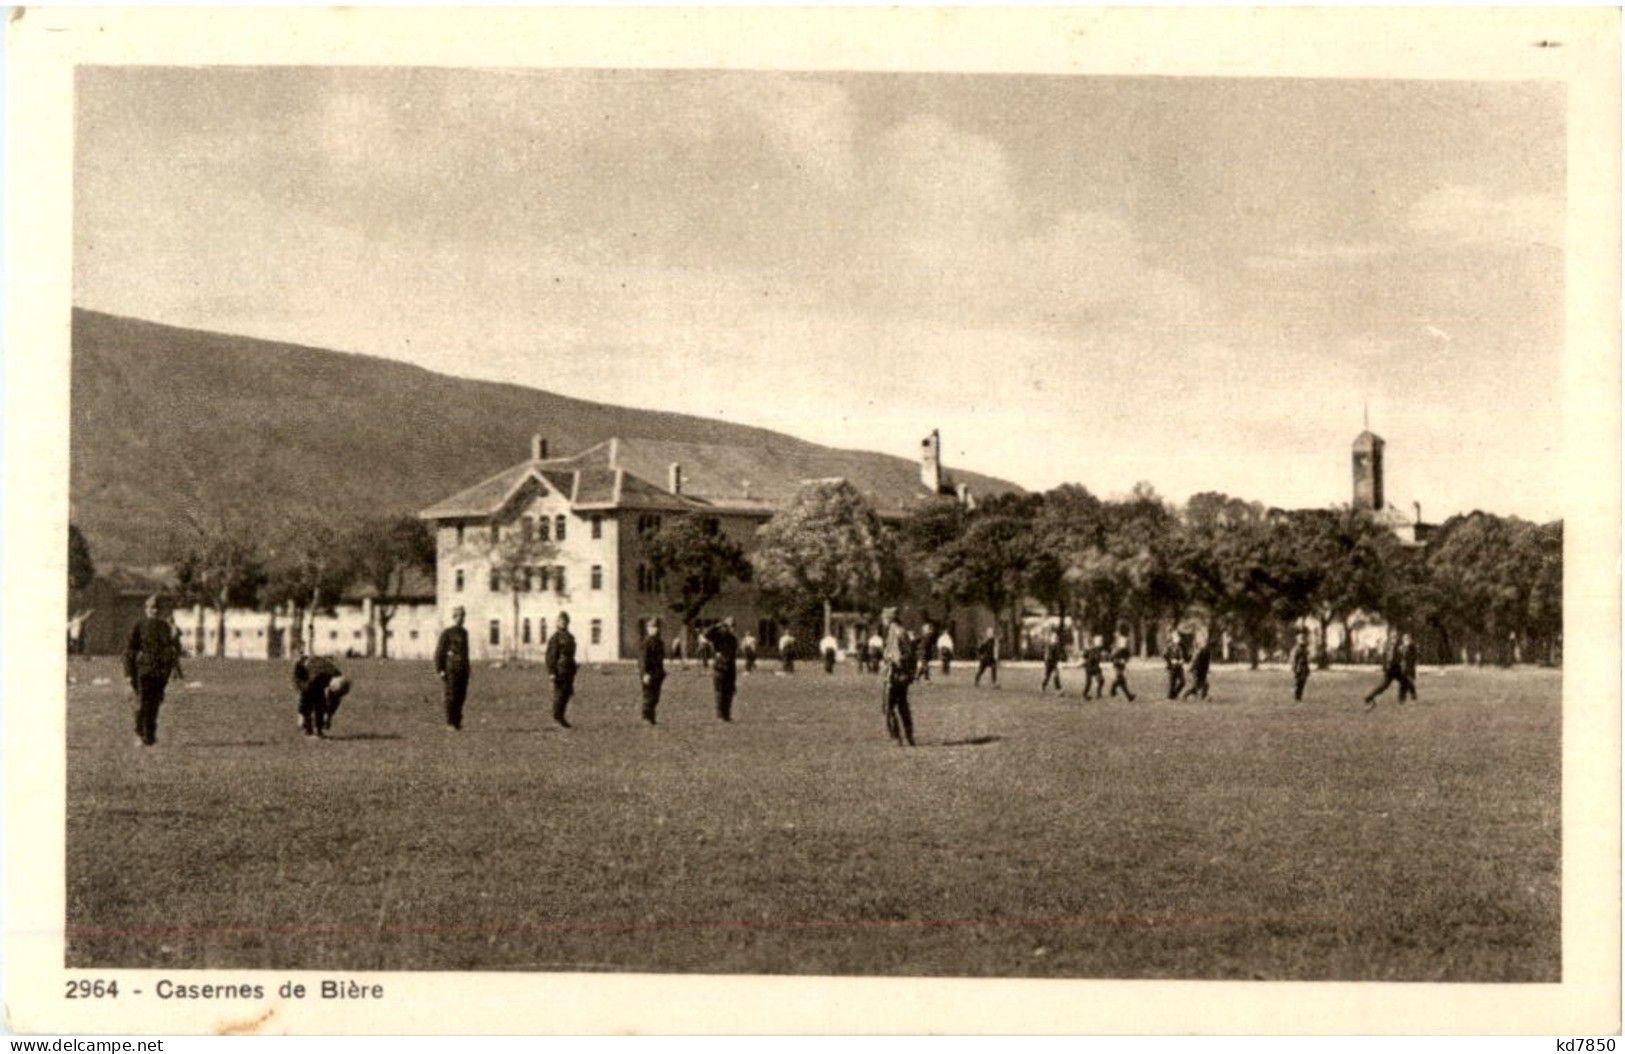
x=466 y=548
x=741 y=600
x=252 y=634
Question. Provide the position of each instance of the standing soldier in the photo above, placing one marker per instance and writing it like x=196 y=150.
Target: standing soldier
x=724 y=649
x=1174 y=657
x=151 y=658
x=860 y=647
x=899 y=655
x=1200 y=662
x=321 y=688
x=1299 y=660
x=748 y=647
x=1094 y=682
x=653 y=669
x=926 y=646
x=987 y=657
x=828 y=647
x=1393 y=669
x=1120 y=656
x=451 y=663
x=561 y=667
x=1052 y=661
x=1408 y=660
x=787 y=651
x=945 y=649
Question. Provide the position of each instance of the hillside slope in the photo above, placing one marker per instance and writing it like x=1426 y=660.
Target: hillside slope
x=161 y=415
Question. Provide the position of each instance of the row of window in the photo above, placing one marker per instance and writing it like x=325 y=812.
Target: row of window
x=538 y=528
x=533 y=579
x=649 y=580
x=332 y=634
x=595 y=631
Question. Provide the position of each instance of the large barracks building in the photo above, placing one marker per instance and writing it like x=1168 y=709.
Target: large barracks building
x=576 y=528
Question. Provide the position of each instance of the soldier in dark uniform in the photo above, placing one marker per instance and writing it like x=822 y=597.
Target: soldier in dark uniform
x=1174 y=657
x=560 y=660
x=1408 y=658
x=926 y=648
x=1120 y=657
x=860 y=647
x=1052 y=662
x=987 y=658
x=151 y=658
x=321 y=688
x=1393 y=669
x=898 y=661
x=1200 y=662
x=1299 y=660
x=1094 y=682
x=724 y=672
x=652 y=669
x=452 y=665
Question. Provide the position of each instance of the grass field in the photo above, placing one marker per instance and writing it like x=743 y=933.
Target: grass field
x=1245 y=837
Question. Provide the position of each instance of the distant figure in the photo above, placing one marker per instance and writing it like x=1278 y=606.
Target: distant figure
x=703 y=652
x=452 y=665
x=1408 y=656
x=1052 y=662
x=725 y=649
x=1393 y=669
x=877 y=644
x=828 y=648
x=748 y=648
x=76 y=631
x=1173 y=656
x=926 y=648
x=677 y=653
x=1299 y=661
x=898 y=656
x=1094 y=682
x=151 y=658
x=860 y=648
x=945 y=651
x=1120 y=657
x=560 y=661
x=321 y=688
x=652 y=670
x=987 y=658
x=1200 y=663
x=787 y=652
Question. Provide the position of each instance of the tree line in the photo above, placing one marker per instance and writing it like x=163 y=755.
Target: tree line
x=1483 y=588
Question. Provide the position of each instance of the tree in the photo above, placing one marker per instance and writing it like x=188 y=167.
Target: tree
x=925 y=536
x=515 y=554
x=990 y=561
x=81 y=569
x=383 y=551
x=219 y=560
x=826 y=547
x=308 y=567
x=1068 y=520
x=692 y=559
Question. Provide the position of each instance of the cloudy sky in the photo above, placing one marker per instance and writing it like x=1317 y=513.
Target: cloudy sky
x=1194 y=282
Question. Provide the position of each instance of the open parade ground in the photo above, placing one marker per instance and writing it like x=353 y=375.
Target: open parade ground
x=1027 y=835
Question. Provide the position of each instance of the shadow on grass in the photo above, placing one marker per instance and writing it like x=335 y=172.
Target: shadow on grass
x=360 y=736
x=974 y=741
x=215 y=744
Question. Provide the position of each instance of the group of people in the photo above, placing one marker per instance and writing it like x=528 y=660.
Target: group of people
x=152 y=658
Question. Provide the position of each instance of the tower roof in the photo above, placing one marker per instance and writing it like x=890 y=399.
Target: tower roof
x=1368 y=439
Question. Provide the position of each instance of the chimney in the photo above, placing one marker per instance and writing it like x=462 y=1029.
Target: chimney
x=931 y=462
x=674 y=478
x=538 y=448
x=747 y=488
x=1418 y=507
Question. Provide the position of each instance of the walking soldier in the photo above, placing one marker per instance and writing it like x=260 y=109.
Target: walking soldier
x=652 y=669
x=151 y=658
x=725 y=649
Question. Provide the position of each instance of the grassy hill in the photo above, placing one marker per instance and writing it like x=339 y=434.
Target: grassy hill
x=161 y=414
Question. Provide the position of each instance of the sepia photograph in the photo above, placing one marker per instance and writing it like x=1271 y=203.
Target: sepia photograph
x=631 y=518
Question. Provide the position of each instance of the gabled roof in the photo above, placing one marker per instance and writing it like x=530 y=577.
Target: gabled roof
x=488 y=495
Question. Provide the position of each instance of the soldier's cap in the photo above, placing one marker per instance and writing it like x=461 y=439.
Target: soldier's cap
x=458 y=611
